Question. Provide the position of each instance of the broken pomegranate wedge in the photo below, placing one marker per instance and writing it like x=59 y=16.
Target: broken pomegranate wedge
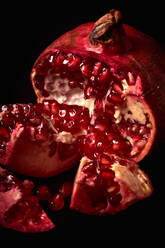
x=19 y=209
x=40 y=140
x=108 y=185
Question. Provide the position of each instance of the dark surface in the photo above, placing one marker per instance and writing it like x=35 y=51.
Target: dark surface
x=25 y=31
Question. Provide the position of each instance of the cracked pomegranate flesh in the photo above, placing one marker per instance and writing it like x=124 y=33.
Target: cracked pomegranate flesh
x=100 y=98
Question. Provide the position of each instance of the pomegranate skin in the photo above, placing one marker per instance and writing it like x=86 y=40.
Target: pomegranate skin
x=135 y=51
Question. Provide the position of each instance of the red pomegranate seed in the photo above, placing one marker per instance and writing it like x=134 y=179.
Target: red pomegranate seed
x=117 y=88
x=72 y=113
x=110 y=136
x=54 y=108
x=66 y=189
x=88 y=92
x=114 y=98
x=96 y=69
x=89 y=168
x=74 y=64
x=62 y=112
x=27 y=187
x=57 y=202
x=107 y=175
x=85 y=70
x=105 y=159
x=59 y=59
x=43 y=192
x=68 y=58
x=70 y=125
x=115 y=199
x=104 y=76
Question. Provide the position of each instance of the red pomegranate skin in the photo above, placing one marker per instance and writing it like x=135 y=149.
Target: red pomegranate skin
x=137 y=52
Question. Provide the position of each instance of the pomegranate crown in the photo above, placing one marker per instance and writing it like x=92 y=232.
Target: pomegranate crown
x=107 y=29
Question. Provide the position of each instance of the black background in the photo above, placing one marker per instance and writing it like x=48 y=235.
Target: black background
x=26 y=29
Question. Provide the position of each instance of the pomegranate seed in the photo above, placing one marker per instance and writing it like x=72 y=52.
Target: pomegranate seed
x=70 y=125
x=115 y=199
x=105 y=159
x=108 y=175
x=54 y=108
x=59 y=59
x=62 y=112
x=69 y=57
x=104 y=76
x=118 y=88
x=27 y=187
x=97 y=68
x=74 y=64
x=66 y=189
x=110 y=136
x=57 y=202
x=72 y=113
x=43 y=192
x=88 y=92
x=89 y=168
x=85 y=70
x=115 y=98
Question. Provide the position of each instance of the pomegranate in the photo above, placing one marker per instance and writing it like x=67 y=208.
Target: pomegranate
x=108 y=185
x=20 y=209
x=100 y=92
x=40 y=140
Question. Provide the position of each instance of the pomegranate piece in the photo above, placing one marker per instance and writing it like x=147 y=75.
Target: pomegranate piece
x=57 y=202
x=108 y=185
x=46 y=133
x=19 y=209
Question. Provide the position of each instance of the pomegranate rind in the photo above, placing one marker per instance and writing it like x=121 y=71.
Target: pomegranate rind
x=134 y=186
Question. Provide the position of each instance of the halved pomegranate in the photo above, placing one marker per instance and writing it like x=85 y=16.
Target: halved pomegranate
x=19 y=208
x=108 y=185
